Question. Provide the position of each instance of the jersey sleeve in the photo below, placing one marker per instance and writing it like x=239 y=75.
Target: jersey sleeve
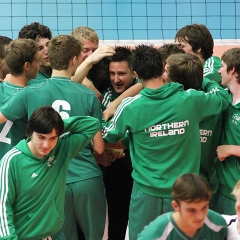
x=16 y=108
x=117 y=127
x=212 y=100
x=81 y=130
x=7 y=196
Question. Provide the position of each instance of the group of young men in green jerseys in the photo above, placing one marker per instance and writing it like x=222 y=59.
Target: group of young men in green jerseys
x=173 y=117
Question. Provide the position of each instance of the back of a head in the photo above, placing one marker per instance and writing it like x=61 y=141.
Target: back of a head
x=18 y=53
x=199 y=37
x=35 y=31
x=61 y=49
x=43 y=120
x=4 y=41
x=186 y=69
x=168 y=49
x=84 y=32
x=232 y=59
x=191 y=187
x=147 y=62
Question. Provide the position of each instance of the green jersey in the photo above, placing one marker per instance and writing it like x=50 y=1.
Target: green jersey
x=10 y=132
x=40 y=78
x=228 y=171
x=69 y=99
x=160 y=134
x=165 y=228
x=211 y=67
x=33 y=189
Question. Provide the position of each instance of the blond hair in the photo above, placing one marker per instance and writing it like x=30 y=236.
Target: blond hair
x=81 y=33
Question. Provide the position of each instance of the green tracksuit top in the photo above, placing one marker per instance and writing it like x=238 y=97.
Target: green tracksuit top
x=211 y=67
x=163 y=127
x=10 y=132
x=69 y=99
x=33 y=189
x=210 y=134
x=110 y=95
x=165 y=228
x=228 y=171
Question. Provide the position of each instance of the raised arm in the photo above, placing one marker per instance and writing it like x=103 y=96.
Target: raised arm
x=86 y=65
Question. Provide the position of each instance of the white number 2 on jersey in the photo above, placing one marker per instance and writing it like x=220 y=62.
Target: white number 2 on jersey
x=5 y=131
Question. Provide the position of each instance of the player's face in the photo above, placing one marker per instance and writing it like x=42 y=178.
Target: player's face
x=237 y=207
x=43 y=52
x=165 y=74
x=193 y=214
x=226 y=76
x=121 y=76
x=34 y=67
x=88 y=48
x=42 y=144
x=186 y=47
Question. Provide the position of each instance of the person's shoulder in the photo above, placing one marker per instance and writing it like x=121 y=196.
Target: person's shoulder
x=156 y=228
x=216 y=218
x=230 y=219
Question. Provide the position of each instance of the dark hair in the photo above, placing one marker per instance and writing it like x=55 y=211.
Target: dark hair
x=232 y=59
x=147 y=62
x=186 y=69
x=4 y=41
x=122 y=54
x=61 y=49
x=99 y=74
x=168 y=49
x=18 y=53
x=191 y=187
x=44 y=120
x=198 y=36
x=35 y=31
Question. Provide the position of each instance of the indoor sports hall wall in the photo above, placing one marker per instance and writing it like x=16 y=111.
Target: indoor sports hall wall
x=125 y=21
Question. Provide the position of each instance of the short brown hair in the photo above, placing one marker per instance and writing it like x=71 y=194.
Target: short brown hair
x=191 y=187
x=61 y=49
x=186 y=69
x=18 y=53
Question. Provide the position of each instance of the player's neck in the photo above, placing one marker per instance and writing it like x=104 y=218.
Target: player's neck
x=235 y=90
x=61 y=73
x=183 y=226
x=153 y=83
x=20 y=81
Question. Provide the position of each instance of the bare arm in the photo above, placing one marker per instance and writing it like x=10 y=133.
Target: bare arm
x=86 y=82
x=132 y=91
x=2 y=118
x=98 y=143
x=95 y=57
x=224 y=151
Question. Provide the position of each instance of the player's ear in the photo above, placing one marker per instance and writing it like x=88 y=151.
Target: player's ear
x=175 y=206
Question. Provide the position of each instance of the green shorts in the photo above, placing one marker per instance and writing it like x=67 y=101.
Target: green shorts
x=144 y=209
x=222 y=204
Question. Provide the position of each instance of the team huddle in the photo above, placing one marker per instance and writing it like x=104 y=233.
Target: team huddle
x=144 y=137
